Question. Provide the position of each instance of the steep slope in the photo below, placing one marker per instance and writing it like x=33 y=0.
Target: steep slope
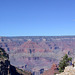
x=6 y=68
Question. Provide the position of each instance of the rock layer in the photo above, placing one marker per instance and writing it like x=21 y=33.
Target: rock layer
x=34 y=53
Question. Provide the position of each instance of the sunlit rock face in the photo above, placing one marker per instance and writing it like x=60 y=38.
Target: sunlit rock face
x=69 y=70
x=37 y=53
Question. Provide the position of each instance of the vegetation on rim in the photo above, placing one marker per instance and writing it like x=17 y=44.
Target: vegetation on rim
x=64 y=62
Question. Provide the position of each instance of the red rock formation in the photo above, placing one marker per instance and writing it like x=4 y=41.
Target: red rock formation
x=54 y=69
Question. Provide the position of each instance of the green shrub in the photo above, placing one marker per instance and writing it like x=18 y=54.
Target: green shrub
x=64 y=62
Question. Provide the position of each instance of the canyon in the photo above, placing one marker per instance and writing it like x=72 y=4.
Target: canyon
x=37 y=54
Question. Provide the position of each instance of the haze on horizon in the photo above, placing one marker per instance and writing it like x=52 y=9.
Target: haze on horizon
x=37 y=17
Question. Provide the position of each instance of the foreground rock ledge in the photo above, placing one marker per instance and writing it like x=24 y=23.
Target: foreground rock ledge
x=69 y=70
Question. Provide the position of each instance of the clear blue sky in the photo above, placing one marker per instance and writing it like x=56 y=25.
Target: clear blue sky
x=37 y=17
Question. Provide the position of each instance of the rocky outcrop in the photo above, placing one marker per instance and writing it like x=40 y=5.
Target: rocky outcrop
x=52 y=71
x=6 y=68
x=69 y=70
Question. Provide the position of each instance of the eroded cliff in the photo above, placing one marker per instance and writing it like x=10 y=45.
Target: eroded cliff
x=6 y=68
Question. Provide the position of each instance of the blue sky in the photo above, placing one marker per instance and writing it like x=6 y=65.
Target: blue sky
x=37 y=17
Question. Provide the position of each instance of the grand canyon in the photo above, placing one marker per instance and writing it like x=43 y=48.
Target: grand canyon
x=37 y=54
